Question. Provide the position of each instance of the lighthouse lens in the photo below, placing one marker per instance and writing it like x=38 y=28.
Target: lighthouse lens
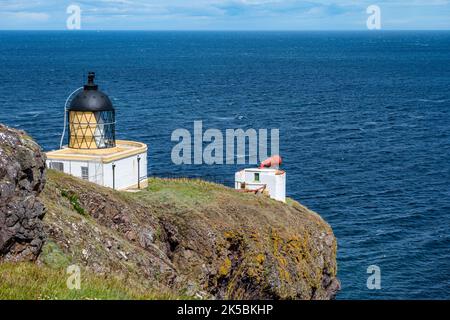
x=92 y=130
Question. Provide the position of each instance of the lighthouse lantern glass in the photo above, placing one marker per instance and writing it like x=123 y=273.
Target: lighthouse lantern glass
x=91 y=119
x=91 y=130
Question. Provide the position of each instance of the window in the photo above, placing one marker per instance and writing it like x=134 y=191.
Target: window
x=85 y=173
x=57 y=166
x=256 y=177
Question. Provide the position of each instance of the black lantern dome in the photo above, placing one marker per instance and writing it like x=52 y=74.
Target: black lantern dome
x=91 y=118
x=91 y=99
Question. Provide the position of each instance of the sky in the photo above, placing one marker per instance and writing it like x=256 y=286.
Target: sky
x=225 y=14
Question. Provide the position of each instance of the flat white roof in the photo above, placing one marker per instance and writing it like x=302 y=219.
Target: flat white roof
x=267 y=170
x=123 y=149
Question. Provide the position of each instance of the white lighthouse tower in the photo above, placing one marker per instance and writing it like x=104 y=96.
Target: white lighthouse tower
x=93 y=153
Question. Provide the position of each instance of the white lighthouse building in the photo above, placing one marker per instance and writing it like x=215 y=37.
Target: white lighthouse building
x=93 y=153
x=267 y=179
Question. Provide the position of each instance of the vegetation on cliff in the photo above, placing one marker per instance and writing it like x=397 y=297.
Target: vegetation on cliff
x=29 y=281
x=192 y=238
x=176 y=239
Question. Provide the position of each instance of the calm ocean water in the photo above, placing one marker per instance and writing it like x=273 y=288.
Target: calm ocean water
x=364 y=124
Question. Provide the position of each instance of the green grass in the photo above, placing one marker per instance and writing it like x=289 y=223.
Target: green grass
x=179 y=191
x=28 y=281
x=73 y=198
x=52 y=256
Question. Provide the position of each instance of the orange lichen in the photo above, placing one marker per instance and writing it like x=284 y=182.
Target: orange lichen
x=225 y=267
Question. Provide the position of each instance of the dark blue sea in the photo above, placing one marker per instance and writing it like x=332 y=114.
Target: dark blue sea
x=364 y=123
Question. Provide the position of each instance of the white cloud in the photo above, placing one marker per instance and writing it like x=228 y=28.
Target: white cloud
x=291 y=14
x=25 y=16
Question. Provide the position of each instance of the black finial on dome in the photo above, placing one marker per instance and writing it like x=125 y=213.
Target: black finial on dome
x=90 y=84
x=91 y=99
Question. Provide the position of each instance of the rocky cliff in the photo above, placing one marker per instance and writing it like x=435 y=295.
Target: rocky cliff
x=187 y=238
x=22 y=178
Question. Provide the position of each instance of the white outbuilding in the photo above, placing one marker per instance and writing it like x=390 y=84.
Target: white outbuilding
x=93 y=153
x=265 y=180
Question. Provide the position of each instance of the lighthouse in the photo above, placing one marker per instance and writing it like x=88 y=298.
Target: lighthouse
x=92 y=152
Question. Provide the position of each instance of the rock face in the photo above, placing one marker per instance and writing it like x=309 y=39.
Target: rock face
x=22 y=178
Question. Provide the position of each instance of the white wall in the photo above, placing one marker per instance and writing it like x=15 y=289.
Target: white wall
x=73 y=167
x=143 y=165
x=280 y=194
x=275 y=184
x=126 y=171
